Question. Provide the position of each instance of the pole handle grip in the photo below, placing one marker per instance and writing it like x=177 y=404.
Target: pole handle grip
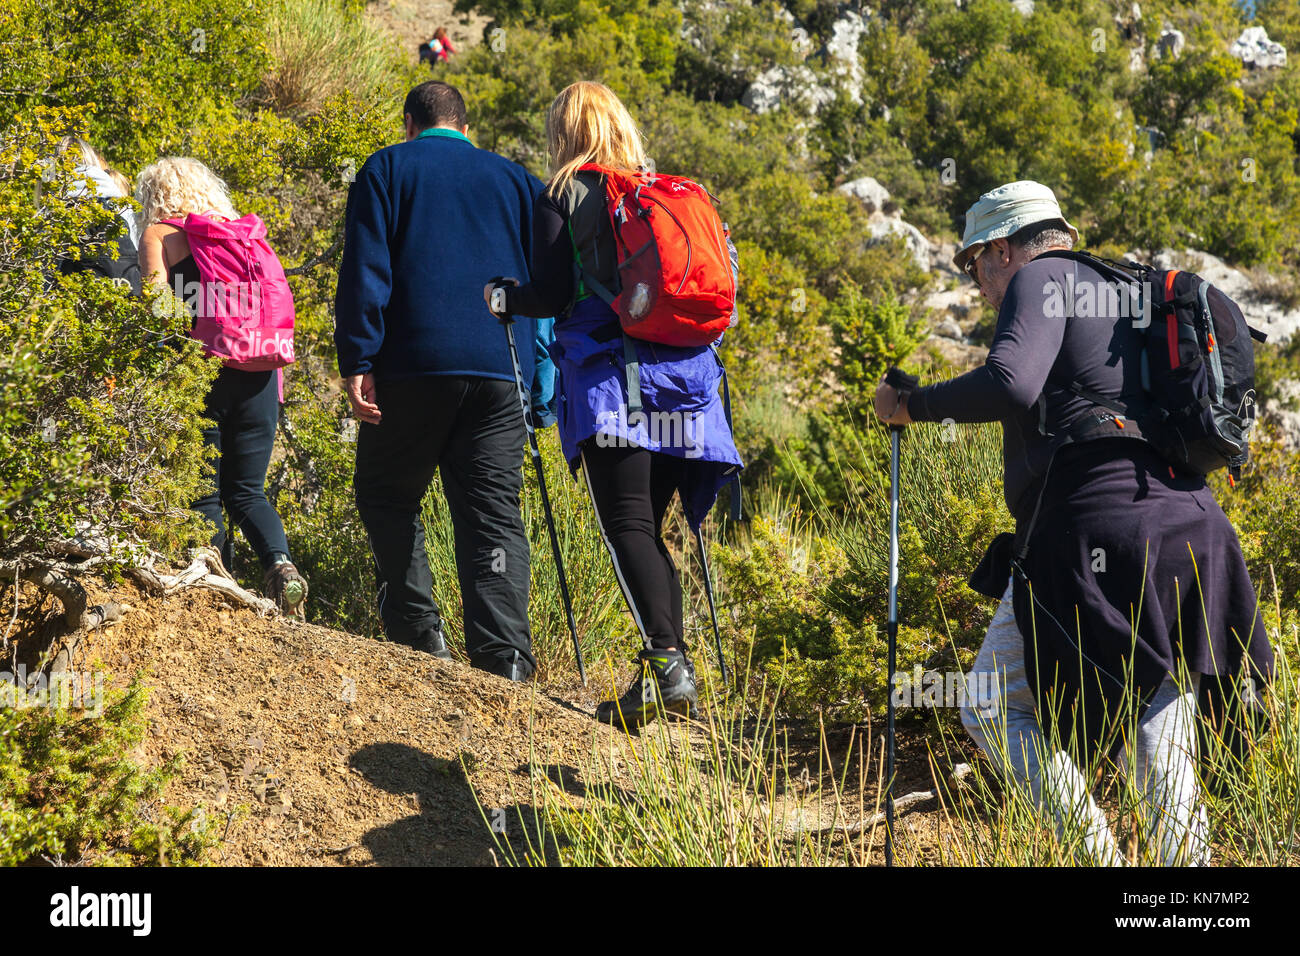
x=506 y=318
x=900 y=380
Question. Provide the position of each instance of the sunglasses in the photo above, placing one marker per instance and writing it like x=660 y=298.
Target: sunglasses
x=970 y=265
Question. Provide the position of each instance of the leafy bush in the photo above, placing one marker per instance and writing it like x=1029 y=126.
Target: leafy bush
x=70 y=790
x=140 y=68
x=104 y=393
x=1265 y=509
x=808 y=596
x=777 y=583
x=841 y=451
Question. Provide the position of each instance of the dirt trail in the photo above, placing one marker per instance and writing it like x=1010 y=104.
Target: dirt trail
x=412 y=22
x=324 y=748
x=310 y=746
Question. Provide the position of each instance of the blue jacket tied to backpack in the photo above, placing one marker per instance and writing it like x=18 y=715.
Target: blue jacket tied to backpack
x=426 y=221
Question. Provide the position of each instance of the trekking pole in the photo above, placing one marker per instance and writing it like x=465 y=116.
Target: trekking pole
x=713 y=610
x=526 y=404
x=900 y=380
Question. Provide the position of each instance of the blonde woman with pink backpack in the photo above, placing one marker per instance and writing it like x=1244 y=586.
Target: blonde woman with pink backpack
x=221 y=266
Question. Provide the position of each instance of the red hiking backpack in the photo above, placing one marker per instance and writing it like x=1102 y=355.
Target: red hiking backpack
x=676 y=263
x=243 y=309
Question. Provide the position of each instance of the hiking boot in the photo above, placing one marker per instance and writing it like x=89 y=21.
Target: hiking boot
x=694 y=712
x=435 y=644
x=666 y=685
x=287 y=588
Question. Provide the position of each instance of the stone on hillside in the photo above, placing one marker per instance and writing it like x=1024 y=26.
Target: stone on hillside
x=799 y=87
x=917 y=244
x=949 y=329
x=941 y=254
x=796 y=87
x=1024 y=7
x=1287 y=421
x=1256 y=51
x=958 y=308
x=1171 y=42
x=868 y=189
x=845 y=34
x=841 y=52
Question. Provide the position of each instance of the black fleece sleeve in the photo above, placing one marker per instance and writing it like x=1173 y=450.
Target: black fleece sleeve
x=1024 y=349
x=551 y=287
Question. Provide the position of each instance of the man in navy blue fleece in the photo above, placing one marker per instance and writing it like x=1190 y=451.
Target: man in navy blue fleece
x=1129 y=583
x=427 y=371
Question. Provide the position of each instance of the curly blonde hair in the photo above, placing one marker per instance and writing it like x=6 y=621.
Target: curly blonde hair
x=177 y=185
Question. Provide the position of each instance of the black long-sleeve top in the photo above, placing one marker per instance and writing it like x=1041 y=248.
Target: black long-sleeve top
x=1048 y=334
x=573 y=224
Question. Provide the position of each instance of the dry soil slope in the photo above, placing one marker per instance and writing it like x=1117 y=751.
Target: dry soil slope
x=319 y=747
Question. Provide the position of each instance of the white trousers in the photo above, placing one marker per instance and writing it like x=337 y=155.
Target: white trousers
x=1005 y=725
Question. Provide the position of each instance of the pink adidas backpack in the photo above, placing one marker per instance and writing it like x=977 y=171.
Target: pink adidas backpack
x=244 y=310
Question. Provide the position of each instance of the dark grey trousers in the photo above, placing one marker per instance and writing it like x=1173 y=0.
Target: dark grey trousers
x=471 y=431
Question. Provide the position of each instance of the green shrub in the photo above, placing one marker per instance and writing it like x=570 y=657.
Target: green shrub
x=140 y=69
x=777 y=583
x=71 y=791
x=103 y=393
x=1265 y=509
x=834 y=462
x=318 y=51
x=808 y=596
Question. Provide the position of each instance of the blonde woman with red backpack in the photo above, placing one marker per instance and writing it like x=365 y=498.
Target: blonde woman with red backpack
x=639 y=383
x=220 y=265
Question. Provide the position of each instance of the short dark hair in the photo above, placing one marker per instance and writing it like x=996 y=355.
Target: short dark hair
x=435 y=103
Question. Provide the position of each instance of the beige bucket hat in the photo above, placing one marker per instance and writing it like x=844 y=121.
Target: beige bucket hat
x=1006 y=210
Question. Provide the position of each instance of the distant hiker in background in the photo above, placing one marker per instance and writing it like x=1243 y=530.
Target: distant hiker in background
x=191 y=231
x=104 y=184
x=636 y=455
x=432 y=382
x=438 y=50
x=1124 y=587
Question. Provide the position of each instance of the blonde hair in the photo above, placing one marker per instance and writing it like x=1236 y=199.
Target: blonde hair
x=119 y=180
x=587 y=123
x=177 y=185
x=89 y=156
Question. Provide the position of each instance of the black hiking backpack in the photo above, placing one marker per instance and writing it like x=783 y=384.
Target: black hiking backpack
x=1197 y=405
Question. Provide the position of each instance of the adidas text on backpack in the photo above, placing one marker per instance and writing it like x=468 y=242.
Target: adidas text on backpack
x=243 y=308
x=677 y=276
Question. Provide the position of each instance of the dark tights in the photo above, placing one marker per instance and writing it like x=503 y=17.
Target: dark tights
x=631 y=489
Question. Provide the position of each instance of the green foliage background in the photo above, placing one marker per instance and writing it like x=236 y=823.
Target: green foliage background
x=286 y=98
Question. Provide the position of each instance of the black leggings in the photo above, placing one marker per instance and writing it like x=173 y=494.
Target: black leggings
x=244 y=408
x=631 y=489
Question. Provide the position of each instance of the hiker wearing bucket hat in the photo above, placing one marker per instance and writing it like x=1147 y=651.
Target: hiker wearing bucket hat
x=1006 y=228
x=1124 y=582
